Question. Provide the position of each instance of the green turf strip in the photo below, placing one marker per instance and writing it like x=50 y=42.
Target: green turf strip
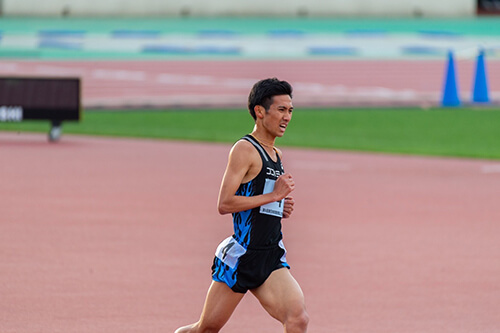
x=460 y=132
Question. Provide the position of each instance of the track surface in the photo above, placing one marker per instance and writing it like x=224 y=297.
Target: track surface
x=114 y=235
x=327 y=83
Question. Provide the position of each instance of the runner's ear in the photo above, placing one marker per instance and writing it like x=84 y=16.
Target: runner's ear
x=259 y=111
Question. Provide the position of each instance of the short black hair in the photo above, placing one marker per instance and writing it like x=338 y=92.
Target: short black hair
x=262 y=93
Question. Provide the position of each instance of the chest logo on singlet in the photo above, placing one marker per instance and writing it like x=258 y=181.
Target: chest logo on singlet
x=273 y=208
x=272 y=172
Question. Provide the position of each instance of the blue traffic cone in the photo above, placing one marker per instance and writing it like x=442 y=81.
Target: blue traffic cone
x=480 y=93
x=450 y=91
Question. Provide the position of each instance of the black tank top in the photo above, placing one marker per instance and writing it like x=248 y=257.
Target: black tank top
x=260 y=227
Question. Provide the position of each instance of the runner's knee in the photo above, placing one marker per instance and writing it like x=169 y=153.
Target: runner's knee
x=297 y=321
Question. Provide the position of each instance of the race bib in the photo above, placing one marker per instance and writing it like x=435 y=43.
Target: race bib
x=229 y=251
x=273 y=208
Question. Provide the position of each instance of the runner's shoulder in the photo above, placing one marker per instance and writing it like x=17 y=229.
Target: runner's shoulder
x=244 y=149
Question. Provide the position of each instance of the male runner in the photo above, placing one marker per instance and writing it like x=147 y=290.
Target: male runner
x=255 y=189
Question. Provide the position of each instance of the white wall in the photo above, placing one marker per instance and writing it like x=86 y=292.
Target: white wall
x=378 y=8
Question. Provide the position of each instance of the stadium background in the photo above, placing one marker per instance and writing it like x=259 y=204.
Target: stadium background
x=384 y=53
x=117 y=235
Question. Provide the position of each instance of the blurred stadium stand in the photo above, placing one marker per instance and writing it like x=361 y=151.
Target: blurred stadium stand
x=314 y=8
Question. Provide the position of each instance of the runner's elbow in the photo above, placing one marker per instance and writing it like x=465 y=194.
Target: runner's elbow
x=223 y=211
x=223 y=208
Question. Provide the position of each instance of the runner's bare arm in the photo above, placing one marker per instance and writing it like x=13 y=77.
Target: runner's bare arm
x=243 y=164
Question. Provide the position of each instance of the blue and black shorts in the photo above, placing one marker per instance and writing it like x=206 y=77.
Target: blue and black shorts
x=242 y=268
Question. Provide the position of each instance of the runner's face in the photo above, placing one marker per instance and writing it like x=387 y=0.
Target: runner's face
x=278 y=116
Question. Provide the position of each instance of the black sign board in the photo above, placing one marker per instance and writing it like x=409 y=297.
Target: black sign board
x=55 y=99
x=488 y=7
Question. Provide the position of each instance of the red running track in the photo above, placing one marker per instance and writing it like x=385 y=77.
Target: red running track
x=117 y=236
x=226 y=83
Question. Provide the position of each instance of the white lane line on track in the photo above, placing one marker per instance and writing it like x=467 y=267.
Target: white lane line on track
x=121 y=74
x=490 y=168
x=59 y=70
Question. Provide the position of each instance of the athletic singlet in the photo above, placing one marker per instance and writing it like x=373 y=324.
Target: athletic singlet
x=245 y=260
x=260 y=227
